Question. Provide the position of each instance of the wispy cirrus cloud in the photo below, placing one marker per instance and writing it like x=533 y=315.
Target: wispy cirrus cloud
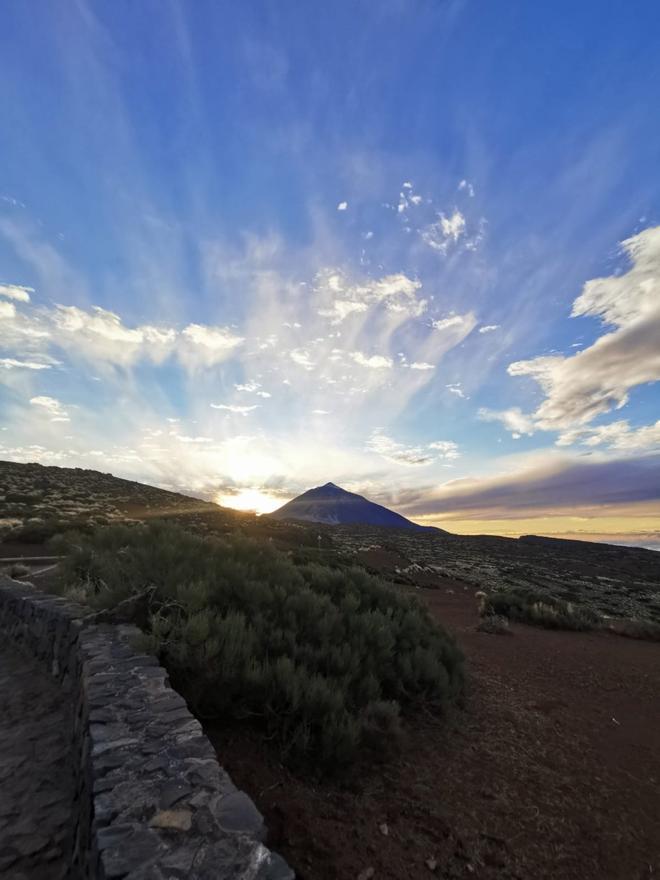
x=235 y=408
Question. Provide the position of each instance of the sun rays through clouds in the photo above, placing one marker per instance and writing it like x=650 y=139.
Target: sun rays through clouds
x=241 y=263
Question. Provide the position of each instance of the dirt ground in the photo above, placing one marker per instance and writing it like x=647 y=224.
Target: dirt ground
x=551 y=769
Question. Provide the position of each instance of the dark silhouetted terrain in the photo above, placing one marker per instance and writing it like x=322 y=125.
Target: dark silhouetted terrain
x=333 y=505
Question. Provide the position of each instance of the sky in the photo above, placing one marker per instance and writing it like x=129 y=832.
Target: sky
x=411 y=247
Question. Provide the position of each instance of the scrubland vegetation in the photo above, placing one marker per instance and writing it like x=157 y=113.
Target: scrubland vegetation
x=327 y=660
x=526 y=606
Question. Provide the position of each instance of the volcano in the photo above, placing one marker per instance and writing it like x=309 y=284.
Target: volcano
x=333 y=505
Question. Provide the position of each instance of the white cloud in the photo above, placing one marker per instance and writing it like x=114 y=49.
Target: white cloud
x=467 y=186
x=445 y=448
x=455 y=388
x=375 y=362
x=15 y=364
x=53 y=407
x=302 y=357
x=454 y=226
x=445 y=231
x=594 y=381
x=185 y=439
x=341 y=309
x=513 y=419
x=7 y=310
x=342 y=206
x=389 y=449
x=488 y=328
x=456 y=327
x=452 y=321
x=321 y=412
x=411 y=456
x=421 y=365
x=617 y=435
x=252 y=388
x=17 y=292
x=203 y=345
x=18 y=329
x=623 y=299
x=234 y=408
x=397 y=293
x=101 y=335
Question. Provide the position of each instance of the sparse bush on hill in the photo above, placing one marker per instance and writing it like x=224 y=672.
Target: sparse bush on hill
x=326 y=659
x=41 y=532
x=541 y=610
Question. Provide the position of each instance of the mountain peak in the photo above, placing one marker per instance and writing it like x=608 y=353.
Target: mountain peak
x=333 y=505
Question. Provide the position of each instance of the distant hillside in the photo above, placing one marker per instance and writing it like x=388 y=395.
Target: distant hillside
x=36 y=500
x=333 y=505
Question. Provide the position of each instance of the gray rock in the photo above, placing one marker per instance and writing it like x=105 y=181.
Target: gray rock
x=237 y=812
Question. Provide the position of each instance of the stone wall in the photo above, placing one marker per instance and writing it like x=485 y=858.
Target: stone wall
x=153 y=802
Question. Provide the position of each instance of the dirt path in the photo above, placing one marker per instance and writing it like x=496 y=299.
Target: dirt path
x=550 y=770
x=36 y=776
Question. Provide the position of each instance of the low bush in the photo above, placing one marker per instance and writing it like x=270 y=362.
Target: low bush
x=39 y=532
x=494 y=624
x=646 y=630
x=529 y=607
x=326 y=659
x=21 y=497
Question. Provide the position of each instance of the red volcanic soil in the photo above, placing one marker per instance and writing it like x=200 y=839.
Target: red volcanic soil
x=551 y=769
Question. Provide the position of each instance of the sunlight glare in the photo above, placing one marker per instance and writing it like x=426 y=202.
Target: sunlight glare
x=250 y=500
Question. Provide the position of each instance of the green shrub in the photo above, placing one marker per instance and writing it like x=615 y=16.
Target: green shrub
x=326 y=659
x=526 y=606
x=40 y=532
x=21 y=497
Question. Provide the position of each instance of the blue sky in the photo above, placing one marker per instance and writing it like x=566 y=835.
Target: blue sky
x=249 y=248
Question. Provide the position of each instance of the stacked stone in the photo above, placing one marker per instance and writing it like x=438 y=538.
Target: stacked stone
x=154 y=803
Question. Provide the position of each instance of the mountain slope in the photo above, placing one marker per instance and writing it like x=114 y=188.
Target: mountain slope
x=333 y=505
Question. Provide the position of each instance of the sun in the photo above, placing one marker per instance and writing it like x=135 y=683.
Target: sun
x=250 y=499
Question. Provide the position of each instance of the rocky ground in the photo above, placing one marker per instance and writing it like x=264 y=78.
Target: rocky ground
x=550 y=770
x=36 y=773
